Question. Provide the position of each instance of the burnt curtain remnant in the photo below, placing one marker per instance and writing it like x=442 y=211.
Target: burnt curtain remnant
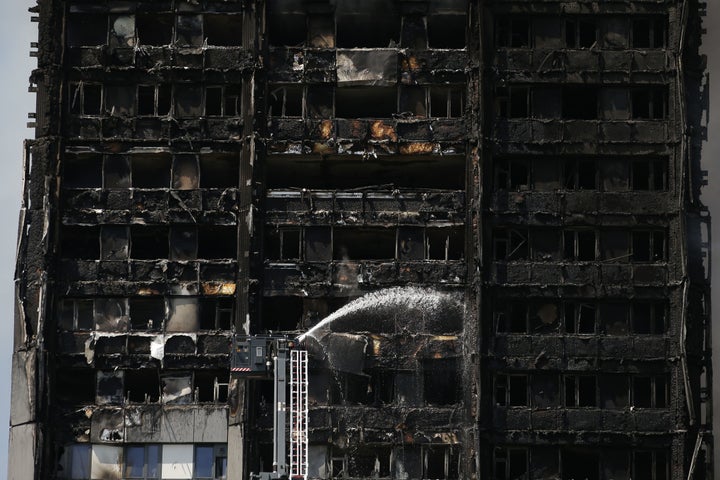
x=482 y=217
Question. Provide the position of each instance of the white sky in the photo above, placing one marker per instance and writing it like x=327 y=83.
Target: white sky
x=16 y=33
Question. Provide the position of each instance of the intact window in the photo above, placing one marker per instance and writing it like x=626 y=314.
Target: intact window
x=142 y=461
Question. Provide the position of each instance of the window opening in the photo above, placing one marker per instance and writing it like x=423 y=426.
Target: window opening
x=82 y=171
x=649 y=103
x=154 y=100
x=80 y=243
x=580 y=391
x=189 y=31
x=148 y=242
x=87 y=29
x=285 y=101
x=365 y=102
x=219 y=170
x=580 y=317
x=154 y=29
x=511 y=390
x=147 y=313
x=513 y=102
x=287 y=29
x=580 y=33
x=117 y=171
x=217 y=242
x=151 y=170
x=86 y=98
x=649 y=392
x=649 y=33
x=649 y=174
x=648 y=317
x=650 y=465
x=445 y=244
x=648 y=246
x=446 y=102
x=512 y=32
x=216 y=313
x=322 y=31
x=579 y=102
x=185 y=172
x=579 y=245
x=513 y=174
x=223 y=29
x=580 y=174
x=142 y=386
x=511 y=244
x=510 y=463
x=446 y=30
x=283 y=244
x=76 y=314
x=114 y=242
x=368 y=30
x=441 y=382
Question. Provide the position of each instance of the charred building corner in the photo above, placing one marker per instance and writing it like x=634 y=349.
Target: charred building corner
x=496 y=201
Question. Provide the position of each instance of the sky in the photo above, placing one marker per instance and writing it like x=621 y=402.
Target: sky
x=16 y=34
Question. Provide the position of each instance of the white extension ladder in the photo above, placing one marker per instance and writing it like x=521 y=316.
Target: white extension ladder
x=298 y=414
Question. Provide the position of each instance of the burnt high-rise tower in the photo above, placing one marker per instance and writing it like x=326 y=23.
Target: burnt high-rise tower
x=516 y=181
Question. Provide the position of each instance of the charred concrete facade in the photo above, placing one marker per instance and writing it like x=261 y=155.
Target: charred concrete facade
x=529 y=171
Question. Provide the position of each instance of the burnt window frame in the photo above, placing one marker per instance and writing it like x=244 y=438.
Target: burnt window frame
x=450 y=454
x=574 y=309
x=655 y=462
x=505 y=103
x=452 y=94
x=658 y=311
x=507 y=39
x=275 y=87
x=577 y=37
x=505 y=235
x=68 y=23
x=504 y=167
x=77 y=94
x=655 y=94
x=157 y=110
x=656 y=167
x=654 y=235
x=503 y=462
x=572 y=238
x=656 y=23
x=504 y=314
x=571 y=174
x=225 y=96
x=574 y=394
x=656 y=402
x=504 y=381
x=281 y=232
x=75 y=306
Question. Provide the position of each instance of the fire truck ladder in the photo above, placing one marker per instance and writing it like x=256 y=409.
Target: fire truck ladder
x=298 y=414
